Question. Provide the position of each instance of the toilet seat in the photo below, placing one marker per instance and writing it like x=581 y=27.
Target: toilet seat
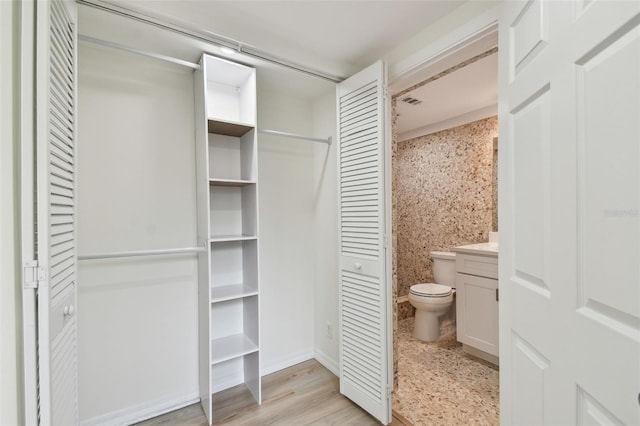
x=430 y=290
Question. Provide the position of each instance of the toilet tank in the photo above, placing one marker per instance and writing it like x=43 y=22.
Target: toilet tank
x=444 y=267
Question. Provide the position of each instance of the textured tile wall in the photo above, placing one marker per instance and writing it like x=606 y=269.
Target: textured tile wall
x=405 y=310
x=394 y=240
x=494 y=219
x=443 y=196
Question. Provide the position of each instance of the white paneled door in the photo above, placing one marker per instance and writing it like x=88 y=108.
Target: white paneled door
x=365 y=320
x=55 y=133
x=569 y=212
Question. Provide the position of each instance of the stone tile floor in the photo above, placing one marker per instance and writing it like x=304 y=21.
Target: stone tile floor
x=441 y=385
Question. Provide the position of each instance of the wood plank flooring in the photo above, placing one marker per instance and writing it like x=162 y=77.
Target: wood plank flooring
x=305 y=394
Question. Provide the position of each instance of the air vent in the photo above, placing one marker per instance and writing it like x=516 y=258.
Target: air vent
x=411 y=101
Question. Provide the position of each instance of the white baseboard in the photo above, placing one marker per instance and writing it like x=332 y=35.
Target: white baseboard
x=281 y=364
x=158 y=407
x=328 y=362
x=481 y=354
x=140 y=412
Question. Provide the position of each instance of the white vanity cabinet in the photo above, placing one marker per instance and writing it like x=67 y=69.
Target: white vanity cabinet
x=477 y=300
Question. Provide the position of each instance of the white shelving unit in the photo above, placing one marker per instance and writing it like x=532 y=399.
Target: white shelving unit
x=229 y=290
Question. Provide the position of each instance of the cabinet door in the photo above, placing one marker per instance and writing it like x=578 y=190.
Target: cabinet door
x=477 y=312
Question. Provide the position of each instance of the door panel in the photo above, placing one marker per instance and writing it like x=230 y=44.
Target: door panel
x=530 y=122
x=590 y=412
x=605 y=216
x=530 y=382
x=569 y=202
x=364 y=290
x=56 y=211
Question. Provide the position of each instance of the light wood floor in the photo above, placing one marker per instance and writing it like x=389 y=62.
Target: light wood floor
x=305 y=394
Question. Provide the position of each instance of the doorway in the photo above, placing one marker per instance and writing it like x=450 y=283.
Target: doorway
x=444 y=174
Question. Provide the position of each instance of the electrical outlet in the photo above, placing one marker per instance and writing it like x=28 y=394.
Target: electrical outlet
x=329 y=330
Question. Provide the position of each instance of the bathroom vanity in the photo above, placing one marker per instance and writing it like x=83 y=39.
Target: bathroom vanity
x=477 y=299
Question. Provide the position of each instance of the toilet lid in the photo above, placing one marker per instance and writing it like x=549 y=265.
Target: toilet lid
x=431 y=290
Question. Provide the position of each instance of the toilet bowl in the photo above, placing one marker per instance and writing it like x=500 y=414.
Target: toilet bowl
x=433 y=300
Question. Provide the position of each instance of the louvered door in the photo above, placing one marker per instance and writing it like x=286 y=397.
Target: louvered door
x=365 y=331
x=56 y=211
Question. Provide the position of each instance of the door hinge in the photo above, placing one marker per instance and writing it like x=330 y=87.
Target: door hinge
x=32 y=274
x=497 y=294
x=388 y=391
x=385 y=240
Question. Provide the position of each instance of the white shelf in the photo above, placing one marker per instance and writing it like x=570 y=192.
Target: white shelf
x=231 y=347
x=231 y=182
x=232 y=292
x=231 y=237
x=228 y=127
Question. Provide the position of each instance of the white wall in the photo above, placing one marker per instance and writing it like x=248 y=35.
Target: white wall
x=137 y=317
x=285 y=171
x=11 y=390
x=441 y=35
x=325 y=227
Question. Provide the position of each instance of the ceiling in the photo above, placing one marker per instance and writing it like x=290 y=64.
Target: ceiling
x=337 y=38
x=465 y=95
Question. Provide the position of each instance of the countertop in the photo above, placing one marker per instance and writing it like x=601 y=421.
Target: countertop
x=485 y=249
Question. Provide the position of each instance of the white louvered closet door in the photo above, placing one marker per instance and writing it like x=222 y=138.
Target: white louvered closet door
x=365 y=324
x=56 y=48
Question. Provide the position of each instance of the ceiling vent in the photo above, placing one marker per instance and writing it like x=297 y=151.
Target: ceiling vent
x=411 y=101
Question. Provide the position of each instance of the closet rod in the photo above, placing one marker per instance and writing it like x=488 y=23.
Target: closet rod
x=114 y=255
x=202 y=35
x=137 y=51
x=295 y=136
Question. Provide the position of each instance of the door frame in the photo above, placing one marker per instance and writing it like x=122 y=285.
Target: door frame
x=464 y=42
x=28 y=208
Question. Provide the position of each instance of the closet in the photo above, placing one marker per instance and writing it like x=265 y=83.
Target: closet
x=227 y=210
x=203 y=171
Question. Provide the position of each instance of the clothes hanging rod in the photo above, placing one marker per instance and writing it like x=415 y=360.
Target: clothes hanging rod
x=115 y=255
x=203 y=35
x=117 y=46
x=295 y=136
x=122 y=47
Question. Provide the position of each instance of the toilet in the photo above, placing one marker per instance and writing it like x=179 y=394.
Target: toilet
x=433 y=300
